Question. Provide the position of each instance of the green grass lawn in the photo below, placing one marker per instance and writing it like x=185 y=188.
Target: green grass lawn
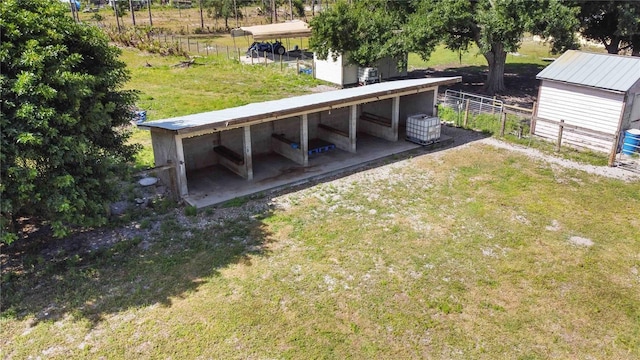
x=214 y=83
x=465 y=254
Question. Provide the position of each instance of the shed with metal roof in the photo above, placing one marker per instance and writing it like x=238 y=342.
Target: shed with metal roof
x=278 y=142
x=594 y=97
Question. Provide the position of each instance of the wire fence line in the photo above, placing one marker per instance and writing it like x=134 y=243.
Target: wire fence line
x=485 y=113
x=301 y=60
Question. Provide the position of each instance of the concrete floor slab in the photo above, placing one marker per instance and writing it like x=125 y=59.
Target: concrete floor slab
x=214 y=185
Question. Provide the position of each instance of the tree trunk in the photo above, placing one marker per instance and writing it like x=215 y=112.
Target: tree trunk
x=149 y=8
x=235 y=12
x=201 y=16
x=613 y=46
x=496 y=58
x=115 y=10
x=133 y=14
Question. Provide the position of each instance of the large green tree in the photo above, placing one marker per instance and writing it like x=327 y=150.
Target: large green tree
x=495 y=26
x=365 y=31
x=615 y=24
x=63 y=114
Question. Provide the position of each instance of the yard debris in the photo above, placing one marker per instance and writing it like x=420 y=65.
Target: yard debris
x=186 y=63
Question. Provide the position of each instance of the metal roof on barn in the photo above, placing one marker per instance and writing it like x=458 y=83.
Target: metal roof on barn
x=603 y=71
x=289 y=29
x=294 y=106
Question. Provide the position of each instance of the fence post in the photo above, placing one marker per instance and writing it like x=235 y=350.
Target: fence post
x=298 y=66
x=612 y=155
x=532 y=125
x=207 y=47
x=188 y=45
x=239 y=58
x=198 y=47
x=466 y=113
x=227 y=51
x=503 y=123
x=280 y=62
x=560 y=129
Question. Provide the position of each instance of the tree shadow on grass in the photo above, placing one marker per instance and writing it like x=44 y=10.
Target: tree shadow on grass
x=169 y=260
x=149 y=261
x=520 y=81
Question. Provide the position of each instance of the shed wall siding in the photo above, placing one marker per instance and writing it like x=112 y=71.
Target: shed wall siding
x=388 y=68
x=585 y=107
x=342 y=73
x=329 y=70
x=634 y=115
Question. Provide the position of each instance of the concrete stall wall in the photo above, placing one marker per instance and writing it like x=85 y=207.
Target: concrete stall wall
x=380 y=108
x=261 y=138
x=589 y=108
x=312 y=122
x=290 y=128
x=198 y=151
x=233 y=139
x=421 y=103
x=336 y=118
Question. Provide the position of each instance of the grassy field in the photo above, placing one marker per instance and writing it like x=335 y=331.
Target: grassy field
x=469 y=253
x=472 y=252
x=214 y=83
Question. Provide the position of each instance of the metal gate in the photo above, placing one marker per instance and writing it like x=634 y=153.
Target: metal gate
x=475 y=104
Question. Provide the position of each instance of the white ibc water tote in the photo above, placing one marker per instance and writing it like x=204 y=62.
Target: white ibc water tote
x=423 y=129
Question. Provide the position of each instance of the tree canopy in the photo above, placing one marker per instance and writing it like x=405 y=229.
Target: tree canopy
x=62 y=120
x=615 y=24
x=495 y=26
x=370 y=30
x=365 y=31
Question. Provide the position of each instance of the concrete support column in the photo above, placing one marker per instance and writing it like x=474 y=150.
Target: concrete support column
x=395 y=116
x=248 y=163
x=435 y=102
x=353 y=116
x=181 y=169
x=304 y=139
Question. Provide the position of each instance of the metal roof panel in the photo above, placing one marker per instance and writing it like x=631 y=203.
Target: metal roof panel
x=288 y=107
x=605 y=71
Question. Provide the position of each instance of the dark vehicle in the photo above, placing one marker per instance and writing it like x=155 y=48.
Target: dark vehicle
x=275 y=48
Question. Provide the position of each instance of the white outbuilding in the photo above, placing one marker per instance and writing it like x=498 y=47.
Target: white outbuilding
x=341 y=72
x=596 y=96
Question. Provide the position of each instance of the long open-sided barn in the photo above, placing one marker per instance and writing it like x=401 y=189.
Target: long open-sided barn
x=597 y=96
x=223 y=154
